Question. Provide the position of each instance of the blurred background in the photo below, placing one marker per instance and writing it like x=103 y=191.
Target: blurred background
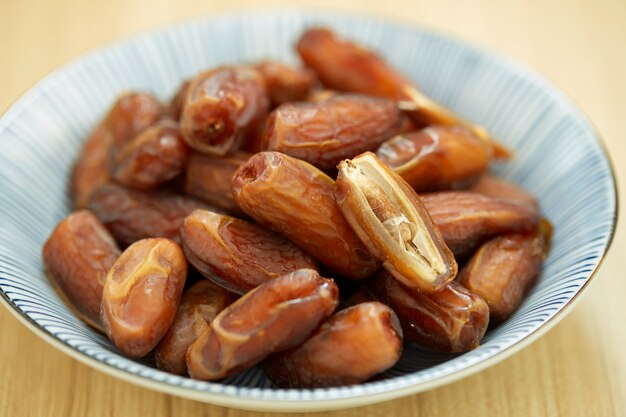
x=578 y=369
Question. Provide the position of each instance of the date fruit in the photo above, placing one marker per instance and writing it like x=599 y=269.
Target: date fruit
x=209 y=178
x=437 y=157
x=285 y=83
x=91 y=169
x=390 y=219
x=497 y=187
x=345 y=66
x=349 y=348
x=467 y=219
x=238 y=255
x=502 y=270
x=141 y=294
x=132 y=215
x=199 y=305
x=278 y=315
x=77 y=257
x=221 y=106
x=151 y=158
x=325 y=133
x=296 y=199
x=451 y=320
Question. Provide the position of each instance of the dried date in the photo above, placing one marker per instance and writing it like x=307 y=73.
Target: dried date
x=278 y=315
x=390 y=219
x=77 y=257
x=285 y=83
x=91 y=169
x=296 y=199
x=349 y=348
x=236 y=254
x=497 y=187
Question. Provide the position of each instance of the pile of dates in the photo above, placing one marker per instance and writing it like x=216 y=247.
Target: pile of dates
x=310 y=220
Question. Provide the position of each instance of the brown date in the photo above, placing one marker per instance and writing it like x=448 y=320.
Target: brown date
x=177 y=102
x=324 y=133
x=238 y=255
x=437 y=157
x=199 y=305
x=278 y=315
x=451 y=320
x=221 y=106
x=390 y=219
x=467 y=219
x=132 y=215
x=345 y=66
x=130 y=115
x=154 y=156
x=502 y=270
x=77 y=257
x=141 y=294
x=285 y=83
x=209 y=177
x=91 y=169
x=296 y=199
x=349 y=348
x=497 y=187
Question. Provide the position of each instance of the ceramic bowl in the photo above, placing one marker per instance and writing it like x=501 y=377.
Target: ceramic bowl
x=560 y=159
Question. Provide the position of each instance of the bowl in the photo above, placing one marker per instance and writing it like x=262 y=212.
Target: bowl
x=560 y=159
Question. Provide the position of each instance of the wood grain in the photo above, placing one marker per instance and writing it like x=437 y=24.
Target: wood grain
x=578 y=369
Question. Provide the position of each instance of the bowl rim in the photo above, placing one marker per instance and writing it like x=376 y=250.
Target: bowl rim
x=47 y=81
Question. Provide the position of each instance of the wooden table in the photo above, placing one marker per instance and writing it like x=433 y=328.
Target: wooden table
x=577 y=369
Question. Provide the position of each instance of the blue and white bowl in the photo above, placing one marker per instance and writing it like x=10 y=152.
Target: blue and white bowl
x=559 y=158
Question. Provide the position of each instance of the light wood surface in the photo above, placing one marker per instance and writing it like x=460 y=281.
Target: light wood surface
x=577 y=369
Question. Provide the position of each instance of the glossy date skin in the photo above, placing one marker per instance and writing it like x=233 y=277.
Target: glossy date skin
x=221 y=106
x=278 y=315
x=467 y=219
x=199 y=305
x=349 y=348
x=296 y=199
x=132 y=215
x=285 y=83
x=451 y=320
x=437 y=157
x=141 y=294
x=208 y=178
x=498 y=187
x=503 y=269
x=390 y=219
x=91 y=169
x=236 y=254
x=327 y=132
x=151 y=158
x=77 y=257
x=345 y=66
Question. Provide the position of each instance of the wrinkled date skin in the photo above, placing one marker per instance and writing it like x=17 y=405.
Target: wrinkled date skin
x=91 y=169
x=437 y=158
x=502 y=270
x=497 y=187
x=130 y=115
x=451 y=320
x=151 y=158
x=77 y=256
x=349 y=348
x=199 y=305
x=296 y=199
x=236 y=254
x=285 y=83
x=467 y=219
x=278 y=315
x=141 y=294
x=327 y=132
x=209 y=178
x=132 y=215
x=177 y=102
x=346 y=66
x=221 y=106
x=390 y=219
